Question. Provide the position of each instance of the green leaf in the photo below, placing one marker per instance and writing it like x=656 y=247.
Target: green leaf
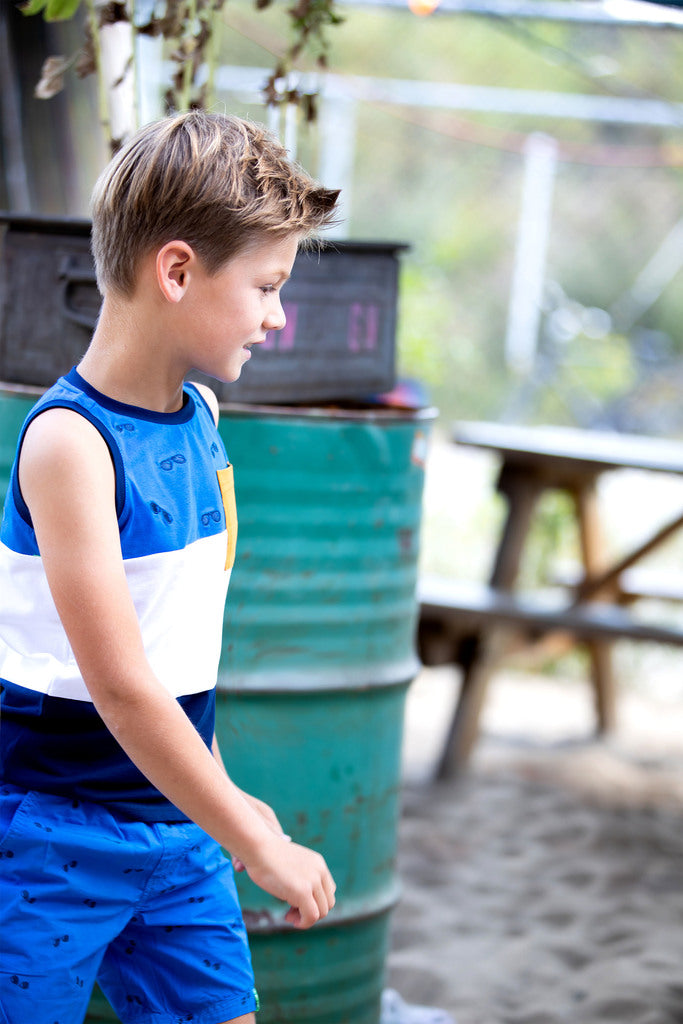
x=61 y=10
x=32 y=6
x=55 y=10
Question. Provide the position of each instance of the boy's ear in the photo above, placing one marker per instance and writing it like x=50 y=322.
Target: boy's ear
x=174 y=264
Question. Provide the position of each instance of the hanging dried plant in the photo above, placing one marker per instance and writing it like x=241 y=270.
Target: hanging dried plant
x=190 y=28
x=310 y=20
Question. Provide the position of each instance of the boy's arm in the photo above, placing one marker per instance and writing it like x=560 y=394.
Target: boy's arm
x=67 y=480
x=262 y=808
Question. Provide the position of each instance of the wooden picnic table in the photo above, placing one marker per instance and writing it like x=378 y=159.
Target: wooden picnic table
x=473 y=626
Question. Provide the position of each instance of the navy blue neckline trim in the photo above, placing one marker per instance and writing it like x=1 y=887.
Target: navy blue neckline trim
x=133 y=411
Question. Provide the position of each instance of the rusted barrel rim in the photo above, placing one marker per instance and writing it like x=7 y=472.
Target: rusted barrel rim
x=350 y=912
x=364 y=414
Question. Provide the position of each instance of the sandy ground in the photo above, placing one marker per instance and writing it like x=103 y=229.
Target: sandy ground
x=546 y=884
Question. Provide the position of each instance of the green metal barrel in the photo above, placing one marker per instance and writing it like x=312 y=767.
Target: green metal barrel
x=15 y=404
x=318 y=652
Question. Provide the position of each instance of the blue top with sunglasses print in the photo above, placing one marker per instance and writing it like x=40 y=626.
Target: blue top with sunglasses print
x=174 y=540
x=167 y=493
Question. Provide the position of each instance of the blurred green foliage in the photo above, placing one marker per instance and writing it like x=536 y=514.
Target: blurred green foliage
x=449 y=183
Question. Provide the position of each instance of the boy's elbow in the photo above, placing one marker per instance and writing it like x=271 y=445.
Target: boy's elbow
x=126 y=702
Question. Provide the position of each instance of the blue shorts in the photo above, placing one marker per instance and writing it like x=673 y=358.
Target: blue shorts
x=150 y=911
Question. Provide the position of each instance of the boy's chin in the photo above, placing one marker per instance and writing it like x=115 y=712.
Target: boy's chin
x=229 y=377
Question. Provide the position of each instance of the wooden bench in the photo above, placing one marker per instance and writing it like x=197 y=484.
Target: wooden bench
x=633 y=584
x=450 y=608
x=456 y=616
x=474 y=625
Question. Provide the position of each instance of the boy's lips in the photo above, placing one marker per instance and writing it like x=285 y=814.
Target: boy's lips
x=246 y=348
x=249 y=344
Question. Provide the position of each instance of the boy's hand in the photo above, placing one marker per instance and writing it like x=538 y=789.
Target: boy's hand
x=290 y=872
x=297 y=876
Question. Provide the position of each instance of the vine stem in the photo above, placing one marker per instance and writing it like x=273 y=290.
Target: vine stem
x=212 y=49
x=102 y=100
x=114 y=51
x=188 y=56
x=134 y=67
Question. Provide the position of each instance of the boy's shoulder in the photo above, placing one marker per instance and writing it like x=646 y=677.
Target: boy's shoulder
x=209 y=397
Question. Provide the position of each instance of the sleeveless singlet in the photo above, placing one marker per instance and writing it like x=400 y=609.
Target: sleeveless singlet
x=177 y=523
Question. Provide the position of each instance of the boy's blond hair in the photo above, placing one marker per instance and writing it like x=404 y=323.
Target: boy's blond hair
x=215 y=181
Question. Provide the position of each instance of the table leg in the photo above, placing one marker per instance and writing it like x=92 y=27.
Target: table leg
x=594 y=563
x=487 y=651
x=522 y=491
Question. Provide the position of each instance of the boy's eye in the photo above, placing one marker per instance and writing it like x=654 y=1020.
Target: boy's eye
x=267 y=288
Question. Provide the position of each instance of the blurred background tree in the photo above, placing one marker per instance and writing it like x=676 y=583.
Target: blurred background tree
x=425 y=123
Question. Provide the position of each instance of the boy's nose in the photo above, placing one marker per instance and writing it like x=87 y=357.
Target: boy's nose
x=276 y=319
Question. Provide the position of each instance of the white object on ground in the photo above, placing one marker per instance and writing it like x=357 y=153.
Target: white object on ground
x=396 y=1011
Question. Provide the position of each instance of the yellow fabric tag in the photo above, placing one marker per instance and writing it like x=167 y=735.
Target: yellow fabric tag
x=226 y=482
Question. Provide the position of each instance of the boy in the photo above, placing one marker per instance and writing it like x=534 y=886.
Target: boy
x=117 y=543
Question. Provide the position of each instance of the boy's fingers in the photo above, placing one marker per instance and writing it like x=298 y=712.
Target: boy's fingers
x=310 y=910
x=311 y=897
x=302 y=918
x=319 y=906
x=325 y=898
x=293 y=917
x=330 y=890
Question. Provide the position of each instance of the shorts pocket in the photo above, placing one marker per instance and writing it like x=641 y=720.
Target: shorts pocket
x=15 y=807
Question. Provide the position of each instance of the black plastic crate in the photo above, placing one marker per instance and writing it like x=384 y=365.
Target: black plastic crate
x=341 y=307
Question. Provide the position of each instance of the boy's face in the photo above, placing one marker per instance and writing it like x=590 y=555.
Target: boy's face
x=231 y=310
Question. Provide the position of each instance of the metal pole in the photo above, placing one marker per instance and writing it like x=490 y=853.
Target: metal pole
x=629 y=13
x=336 y=154
x=658 y=272
x=526 y=296
x=455 y=96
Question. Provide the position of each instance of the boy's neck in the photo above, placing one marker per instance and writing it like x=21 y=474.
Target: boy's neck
x=127 y=360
